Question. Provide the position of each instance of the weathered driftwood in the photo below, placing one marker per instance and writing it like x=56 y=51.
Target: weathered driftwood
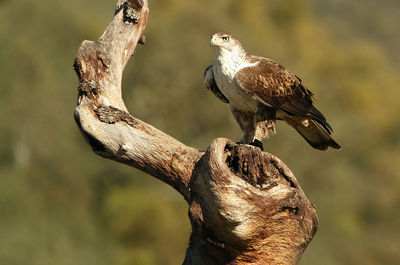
x=245 y=206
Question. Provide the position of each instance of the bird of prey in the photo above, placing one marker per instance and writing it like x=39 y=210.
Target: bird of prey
x=260 y=91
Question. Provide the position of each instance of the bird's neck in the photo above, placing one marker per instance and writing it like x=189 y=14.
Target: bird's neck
x=231 y=58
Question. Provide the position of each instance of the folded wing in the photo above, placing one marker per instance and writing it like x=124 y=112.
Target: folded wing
x=210 y=83
x=274 y=86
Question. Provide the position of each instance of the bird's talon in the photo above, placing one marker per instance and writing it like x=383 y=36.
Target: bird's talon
x=258 y=144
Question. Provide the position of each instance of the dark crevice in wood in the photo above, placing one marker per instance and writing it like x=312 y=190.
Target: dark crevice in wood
x=254 y=166
x=282 y=173
x=104 y=62
x=118 y=9
x=293 y=203
x=132 y=10
x=135 y=4
x=97 y=146
x=291 y=210
x=211 y=238
x=142 y=39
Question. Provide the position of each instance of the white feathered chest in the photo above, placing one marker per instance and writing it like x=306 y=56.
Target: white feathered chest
x=226 y=66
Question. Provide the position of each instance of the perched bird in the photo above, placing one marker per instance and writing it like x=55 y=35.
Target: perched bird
x=260 y=91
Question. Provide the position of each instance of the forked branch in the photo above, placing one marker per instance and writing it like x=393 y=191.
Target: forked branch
x=245 y=206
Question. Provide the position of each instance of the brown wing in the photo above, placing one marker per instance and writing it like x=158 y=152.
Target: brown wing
x=276 y=87
x=273 y=85
x=210 y=83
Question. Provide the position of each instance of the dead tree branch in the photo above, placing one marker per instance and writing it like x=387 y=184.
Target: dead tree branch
x=245 y=206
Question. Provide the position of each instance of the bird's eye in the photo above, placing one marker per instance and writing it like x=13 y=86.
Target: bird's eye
x=225 y=38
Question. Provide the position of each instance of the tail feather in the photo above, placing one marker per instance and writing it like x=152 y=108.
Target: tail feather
x=315 y=133
x=316 y=115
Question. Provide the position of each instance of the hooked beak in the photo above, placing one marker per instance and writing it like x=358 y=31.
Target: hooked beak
x=213 y=41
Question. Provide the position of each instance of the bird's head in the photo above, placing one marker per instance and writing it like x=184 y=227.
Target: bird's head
x=223 y=40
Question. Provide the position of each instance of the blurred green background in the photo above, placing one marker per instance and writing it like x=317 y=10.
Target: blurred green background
x=62 y=204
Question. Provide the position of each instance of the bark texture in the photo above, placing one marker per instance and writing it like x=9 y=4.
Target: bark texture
x=245 y=206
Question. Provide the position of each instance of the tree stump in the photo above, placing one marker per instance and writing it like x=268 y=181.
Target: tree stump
x=245 y=205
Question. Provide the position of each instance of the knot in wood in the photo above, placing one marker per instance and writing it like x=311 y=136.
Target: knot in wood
x=132 y=10
x=88 y=88
x=111 y=115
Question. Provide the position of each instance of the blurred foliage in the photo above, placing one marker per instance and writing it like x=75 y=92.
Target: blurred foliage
x=61 y=204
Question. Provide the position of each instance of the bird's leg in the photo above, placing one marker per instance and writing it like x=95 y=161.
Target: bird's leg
x=247 y=122
x=248 y=126
x=265 y=118
x=247 y=138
